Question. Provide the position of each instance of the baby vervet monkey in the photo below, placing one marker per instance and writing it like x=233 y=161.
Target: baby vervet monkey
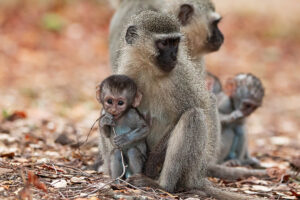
x=123 y=124
x=241 y=96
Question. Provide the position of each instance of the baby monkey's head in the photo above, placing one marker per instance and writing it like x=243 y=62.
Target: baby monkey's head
x=117 y=94
x=246 y=91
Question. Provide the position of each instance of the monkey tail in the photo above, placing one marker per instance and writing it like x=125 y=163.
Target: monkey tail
x=230 y=173
x=115 y=3
x=217 y=193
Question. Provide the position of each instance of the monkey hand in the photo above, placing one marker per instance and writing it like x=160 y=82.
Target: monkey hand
x=121 y=141
x=237 y=115
x=107 y=120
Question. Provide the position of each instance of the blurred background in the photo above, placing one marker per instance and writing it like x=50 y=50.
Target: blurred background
x=54 y=52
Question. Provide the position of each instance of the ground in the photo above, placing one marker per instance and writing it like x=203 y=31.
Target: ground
x=53 y=55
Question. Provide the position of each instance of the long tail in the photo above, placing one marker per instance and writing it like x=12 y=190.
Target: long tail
x=217 y=193
x=114 y=3
x=231 y=173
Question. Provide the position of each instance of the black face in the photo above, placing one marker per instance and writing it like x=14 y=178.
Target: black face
x=167 y=57
x=216 y=38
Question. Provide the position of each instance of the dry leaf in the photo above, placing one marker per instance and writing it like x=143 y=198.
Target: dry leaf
x=77 y=180
x=59 y=183
x=17 y=115
x=261 y=188
x=8 y=155
x=34 y=180
x=25 y=193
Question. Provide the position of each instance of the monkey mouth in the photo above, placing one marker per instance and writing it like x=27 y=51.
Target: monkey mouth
x=168 y=67
x=117 y=116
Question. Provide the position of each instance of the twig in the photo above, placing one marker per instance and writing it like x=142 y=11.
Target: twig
x=61 y=194
x=54 y=169
x=118 y=178
x=122 y=159
x=155 y=195
x=87 y=137
x=89 y=132
x=75 y=169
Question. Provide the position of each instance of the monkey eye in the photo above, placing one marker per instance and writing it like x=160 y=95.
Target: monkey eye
x=109 y=101
x=120 y=103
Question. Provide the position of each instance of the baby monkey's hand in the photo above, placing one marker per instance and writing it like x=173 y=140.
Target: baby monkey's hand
x=107 y=120
x=121 y=140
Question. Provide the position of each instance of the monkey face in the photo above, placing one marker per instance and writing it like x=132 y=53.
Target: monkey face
x=215 y=39
x=115 y=105
x=200 y=22
x=167 y=53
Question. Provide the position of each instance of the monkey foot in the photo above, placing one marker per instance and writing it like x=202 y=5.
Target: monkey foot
x=140 y=180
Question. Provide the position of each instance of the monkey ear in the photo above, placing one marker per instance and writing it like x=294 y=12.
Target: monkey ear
x=137 y=99
x=131 y=34
x=98 y=93
x=230 y=87
x=209 y=83
x=185 y=13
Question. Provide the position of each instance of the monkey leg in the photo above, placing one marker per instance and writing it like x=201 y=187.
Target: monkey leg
x=241 y=144
x=213 y=129
x=135 y=159
x=184 y=164
x=251 y=161
x=116 y=165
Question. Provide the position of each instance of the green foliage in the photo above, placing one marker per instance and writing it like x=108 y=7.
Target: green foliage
x=5 y=114
x=53 y=22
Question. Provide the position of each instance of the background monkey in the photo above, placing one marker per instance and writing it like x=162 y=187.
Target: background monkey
x=179 y=106
x=198 y=19
x=123 y=124
x=243 y=95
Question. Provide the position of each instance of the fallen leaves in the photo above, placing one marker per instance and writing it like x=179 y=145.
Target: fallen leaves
x=5 y=170
x=59 y=183
x=277 y=173
x=15 y=116
x=34 y=180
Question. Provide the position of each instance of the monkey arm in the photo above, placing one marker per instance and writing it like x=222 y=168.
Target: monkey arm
x=234 y=116
x=105 y=123
x=139 y=130
x=131 y=137
x=105 y=130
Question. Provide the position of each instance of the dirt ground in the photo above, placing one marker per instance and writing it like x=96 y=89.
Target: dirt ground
x=54 y=53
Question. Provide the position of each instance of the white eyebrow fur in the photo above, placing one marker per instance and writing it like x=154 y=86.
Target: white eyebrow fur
x=215 y=16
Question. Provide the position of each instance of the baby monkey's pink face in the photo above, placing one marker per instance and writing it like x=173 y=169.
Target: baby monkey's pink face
x=116 y=105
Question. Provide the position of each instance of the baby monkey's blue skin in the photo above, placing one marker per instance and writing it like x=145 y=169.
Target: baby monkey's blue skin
x=127 y=134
